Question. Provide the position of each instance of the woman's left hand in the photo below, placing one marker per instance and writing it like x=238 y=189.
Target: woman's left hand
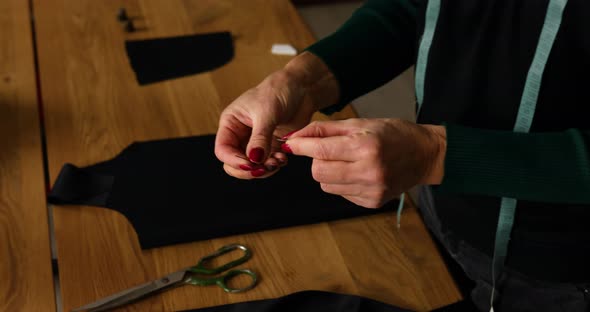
x=371 y=161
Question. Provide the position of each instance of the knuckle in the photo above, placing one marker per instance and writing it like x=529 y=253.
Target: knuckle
x=317 y=126
x=318 y=172
x=370 y=150
x=326 y=187
x=321 y=151
x=257 y=139
x=315 y=123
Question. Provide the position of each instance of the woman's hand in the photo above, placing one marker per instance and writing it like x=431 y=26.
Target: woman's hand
x=371 y=161
x=246 y=140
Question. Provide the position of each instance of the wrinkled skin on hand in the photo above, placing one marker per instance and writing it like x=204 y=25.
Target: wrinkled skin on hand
x=367 y=161
x=246 y=140
x=371 y=161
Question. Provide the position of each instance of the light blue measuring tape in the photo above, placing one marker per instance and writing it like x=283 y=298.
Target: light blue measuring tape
x=524 y=119
x=432 y=12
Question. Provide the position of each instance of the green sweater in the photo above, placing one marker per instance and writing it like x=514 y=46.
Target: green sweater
x=478 y=63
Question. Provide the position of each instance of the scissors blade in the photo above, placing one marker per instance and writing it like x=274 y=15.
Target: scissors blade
x=134 y=293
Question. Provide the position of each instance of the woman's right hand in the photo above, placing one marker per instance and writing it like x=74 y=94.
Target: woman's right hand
x=284 y=101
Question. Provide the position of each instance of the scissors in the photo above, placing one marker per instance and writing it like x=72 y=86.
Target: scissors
x=193 y=275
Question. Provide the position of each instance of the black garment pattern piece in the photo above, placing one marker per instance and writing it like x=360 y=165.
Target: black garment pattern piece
x=308 y=301
x=159 y=59
x=176 y=191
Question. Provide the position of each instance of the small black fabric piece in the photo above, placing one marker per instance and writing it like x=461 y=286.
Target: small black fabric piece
x=155 y=60
x=175 y=191
x=75 y=186
x=307 y=301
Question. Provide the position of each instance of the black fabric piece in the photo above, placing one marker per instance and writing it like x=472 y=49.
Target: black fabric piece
x=75 y=186
x=307 y=301
x=155 y=60
x=175 y=191
x=459 y=306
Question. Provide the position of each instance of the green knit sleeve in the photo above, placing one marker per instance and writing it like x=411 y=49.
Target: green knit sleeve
x=374 y=46
x=546 y=166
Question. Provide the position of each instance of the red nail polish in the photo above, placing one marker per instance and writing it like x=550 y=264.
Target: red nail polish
x=286 y=148
x=257 y=172
x=256 y=154
x=286 y=136
x=246 y=167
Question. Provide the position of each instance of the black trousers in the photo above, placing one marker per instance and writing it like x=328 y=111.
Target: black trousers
x=514 y=291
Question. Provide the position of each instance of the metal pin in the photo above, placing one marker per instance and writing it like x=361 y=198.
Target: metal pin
x=246 y=158
x=242 y=157
x=122 y=15
x=129 y=26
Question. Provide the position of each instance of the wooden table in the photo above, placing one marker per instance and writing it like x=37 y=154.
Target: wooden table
x=94 y=108
x=26 y=280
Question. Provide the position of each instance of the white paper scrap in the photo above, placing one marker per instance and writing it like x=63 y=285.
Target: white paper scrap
x=283 y=49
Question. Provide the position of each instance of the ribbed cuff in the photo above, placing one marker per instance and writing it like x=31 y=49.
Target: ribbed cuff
x=548 y=167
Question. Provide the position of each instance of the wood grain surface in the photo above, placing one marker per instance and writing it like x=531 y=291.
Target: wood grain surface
x=95 y=108
x=26 y=282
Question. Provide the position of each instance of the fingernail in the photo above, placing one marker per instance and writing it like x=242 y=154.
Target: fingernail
x=286 y=136
x=256 y=154
x=286 y=148
x=271 y=168
x=246 y=167
x=257 y=172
